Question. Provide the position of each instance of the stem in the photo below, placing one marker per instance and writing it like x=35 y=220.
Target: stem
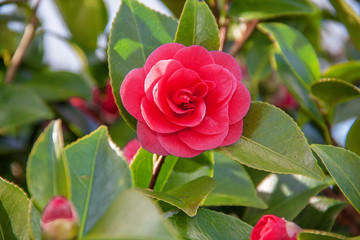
x=249 y=28
x=332 y=140
x=23 y=45
x=156 y=170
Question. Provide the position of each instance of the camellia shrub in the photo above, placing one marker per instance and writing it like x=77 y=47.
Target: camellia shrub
x=219 y=122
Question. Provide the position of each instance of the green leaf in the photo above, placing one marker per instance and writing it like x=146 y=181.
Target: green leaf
x=344 y=111
x=165 y=172
x=319 y=235
x=233 y=185
x=344 y=167
x=289 y=153
x=350 y=19
x=286 y=195
x=98 y=175
x=265 y=9
x=19 y=106
x=211 y=225
x=175 y=6
x=348 y=71
x=34 y=217
x=197 y=26
x=320 y=213
x=188 y=169
x=58 y=86
x=334 y=91
x=13 y=212
x=47 y=172
x=85 y=20
x=296 y=50
x=132 y=216
x=135 y=33
x=352 y=139
x=187 y=197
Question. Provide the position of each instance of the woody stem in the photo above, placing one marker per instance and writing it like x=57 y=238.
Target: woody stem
x=156 y=169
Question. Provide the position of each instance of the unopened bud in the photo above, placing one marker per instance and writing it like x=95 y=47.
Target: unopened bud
x=59 y=220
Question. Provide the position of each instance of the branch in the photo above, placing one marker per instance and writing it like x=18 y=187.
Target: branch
x=23 y=45
x=249 y=28
x=156 y=170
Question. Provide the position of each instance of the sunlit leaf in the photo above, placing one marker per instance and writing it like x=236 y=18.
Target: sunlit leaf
x=353 y=138
x=348 y=71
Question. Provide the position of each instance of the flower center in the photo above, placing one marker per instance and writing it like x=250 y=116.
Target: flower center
x=184 y=99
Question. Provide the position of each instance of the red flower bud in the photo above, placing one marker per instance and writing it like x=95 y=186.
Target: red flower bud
x=59 y=220
x=271 y=227
x=131 y=149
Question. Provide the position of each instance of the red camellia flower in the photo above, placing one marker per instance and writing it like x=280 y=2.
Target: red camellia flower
x=186 y=100
x=271 y=227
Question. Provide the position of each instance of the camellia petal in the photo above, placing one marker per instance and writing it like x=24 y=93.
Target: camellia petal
x=234 y=134
x=214 y=123
x=164 y=52
x=200 y=141
x=174 y=146
x=149 y=140
x=132 y=91
x=194 y=57
x=228 y=62
x=239 y=104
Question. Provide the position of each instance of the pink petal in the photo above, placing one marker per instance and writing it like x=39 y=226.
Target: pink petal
x=194 y=57
x=215 y=122
x=174 y=146
x=130 y=149
x=149 y=139
x=235 y=132
x=227 y=61
x=132 y=91
x=239 y=104
x=190 y=119
x=200 y=141
x=155 y=119
x=164 y=52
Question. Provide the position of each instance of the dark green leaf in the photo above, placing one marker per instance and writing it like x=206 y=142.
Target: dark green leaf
x=47 y=172
x=13 y=212
x=120 y=133
x=197 y=26
x=265 y=9
x=319 y=235
x=334 y=91
x=57 y=86
x=353 y=138
x=19 y=106
x=320 y=213
x=273 y=142
x=98 y=175
x=344 y=167
x=344 y=111
x=350 y=18
x=348 y=71
x=211 y=225
x=233 y=185
x=187 y=197
x=135 y=33
x=175 y=6
x=85 y=20
x=132 y=216
x=286 y=195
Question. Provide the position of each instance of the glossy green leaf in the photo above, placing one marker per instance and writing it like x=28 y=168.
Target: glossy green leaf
x=350 y=18
x=187 y=197
x=120 y=133
x=353 y=138
x=85 y=20
x=132 y=216
x=233 y=185
x=57 y=86
x=348 y=71
x=34 y=217
x=286 y=195
x=257 y=148
x=135 y=33
x=98 y=176
x=14 y=206
x=211 y=225
x=197 y=26
x=175 y=6
x=265 y=9
x=296 y=50
x=188 y=169
x=19 y=106
x=47 y=172
x=344 y=167
x=334 y=91
x=320 y=214
x=319 y=235
x=165 y=172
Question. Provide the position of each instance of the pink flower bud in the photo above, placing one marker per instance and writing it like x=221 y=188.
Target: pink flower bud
x=130 y=149
x=271 y=227
x=59 y=220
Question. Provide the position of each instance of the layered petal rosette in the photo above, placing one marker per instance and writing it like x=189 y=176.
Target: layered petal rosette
x=186 y=100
